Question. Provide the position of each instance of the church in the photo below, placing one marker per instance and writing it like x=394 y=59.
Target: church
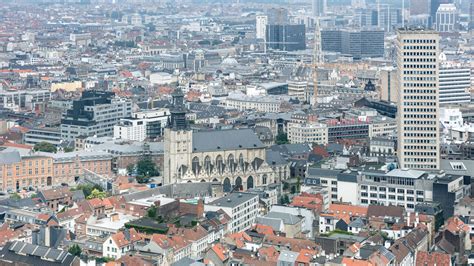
x=235 y=158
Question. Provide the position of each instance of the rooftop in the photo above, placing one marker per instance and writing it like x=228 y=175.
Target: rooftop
x=233 y=200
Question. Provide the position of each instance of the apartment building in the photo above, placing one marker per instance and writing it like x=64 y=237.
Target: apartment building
x=241 y=207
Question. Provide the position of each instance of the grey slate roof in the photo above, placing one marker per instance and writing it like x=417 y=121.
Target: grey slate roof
x=274 y=157
x=287 y=218
x=9 y=157
x=233 y=200
x=275 y=223
x=319 y=172
x=221 y=140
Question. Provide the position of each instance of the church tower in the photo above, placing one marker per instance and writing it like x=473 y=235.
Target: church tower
x=178 y=138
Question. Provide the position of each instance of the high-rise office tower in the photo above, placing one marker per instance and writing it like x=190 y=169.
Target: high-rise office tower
x=361 y=43
x=418 y=104
x=434 y=7
x=446 y=18
x=261 y=26
x=319 y=7
x=286 y=37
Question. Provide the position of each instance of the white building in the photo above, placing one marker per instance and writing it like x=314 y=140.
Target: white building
x=162 y=78
x=308 y=133
x=267 y=104
x=241 y=207
x=454 y=84
x=446 y=18
x=298 y=89
x=261 y=26
x=117 y=245
x=418 y=105
x=149 y=124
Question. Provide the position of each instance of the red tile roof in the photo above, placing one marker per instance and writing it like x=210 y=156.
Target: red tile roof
x=220 y=251
x=424 y=258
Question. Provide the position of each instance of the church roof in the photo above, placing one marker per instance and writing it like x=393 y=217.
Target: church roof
x=221 y=140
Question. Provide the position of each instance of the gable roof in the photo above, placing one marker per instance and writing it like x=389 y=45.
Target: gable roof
x=221 y=140
x=433 y=259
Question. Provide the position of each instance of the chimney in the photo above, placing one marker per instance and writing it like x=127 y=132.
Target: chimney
x=114 y=217
x=417 y=219
x=408 y=218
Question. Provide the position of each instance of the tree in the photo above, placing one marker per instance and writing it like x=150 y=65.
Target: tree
x=15 y=196
x=45 y=147
x=75 y=250
x=145 y=169
x=68 y=149
x=151 y=212
x=284 y=199
x=88 y=188
x=282 y=138
x=97 y=194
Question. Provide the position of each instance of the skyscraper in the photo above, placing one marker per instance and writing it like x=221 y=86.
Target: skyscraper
x=356 y=43
x=418 y=104
x=446 y=18
x=286 y=37
x=318 y=7
x=261 y=26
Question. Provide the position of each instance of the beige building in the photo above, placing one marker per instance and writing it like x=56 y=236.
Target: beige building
x=298 y=89
x=418 y=105
x=66 y=86
x=19 y=172
x=388 y=85
x=308 y=133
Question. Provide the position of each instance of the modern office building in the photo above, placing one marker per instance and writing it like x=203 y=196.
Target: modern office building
x=37 y=135
x=148 y=124
x=318 y=7
x=382 y=16
x=388 y=89
x=94 y=114
x=261 y=26
x=418 y=105
x=308 y=133
x=356 y=43
x=446 y=16
x=298 y=89
x=398 y=187
x=454 y=85
x=286 y=37
x=449 y=190
x=435 y=4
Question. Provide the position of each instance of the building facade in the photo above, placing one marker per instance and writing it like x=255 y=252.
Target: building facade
x=454 y=85
x=261 y=26
x=235 y=158
x=308 y=133
x=286 y=37
x=418 y=105
x=446 y=16
x=95 y=114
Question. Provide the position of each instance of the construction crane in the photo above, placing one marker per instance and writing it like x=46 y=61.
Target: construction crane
x=317 y=59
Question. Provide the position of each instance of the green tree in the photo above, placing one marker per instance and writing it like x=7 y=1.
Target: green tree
x=45 y=147
x=145 y=169
x=284 y=199
x=282 y=138
x=151 y=212
x=97 y=194
x=68 y=149
x=75 y=250
x=88 y=188
x=15 y=196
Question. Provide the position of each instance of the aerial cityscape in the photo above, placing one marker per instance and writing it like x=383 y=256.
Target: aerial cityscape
x=237 y=132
